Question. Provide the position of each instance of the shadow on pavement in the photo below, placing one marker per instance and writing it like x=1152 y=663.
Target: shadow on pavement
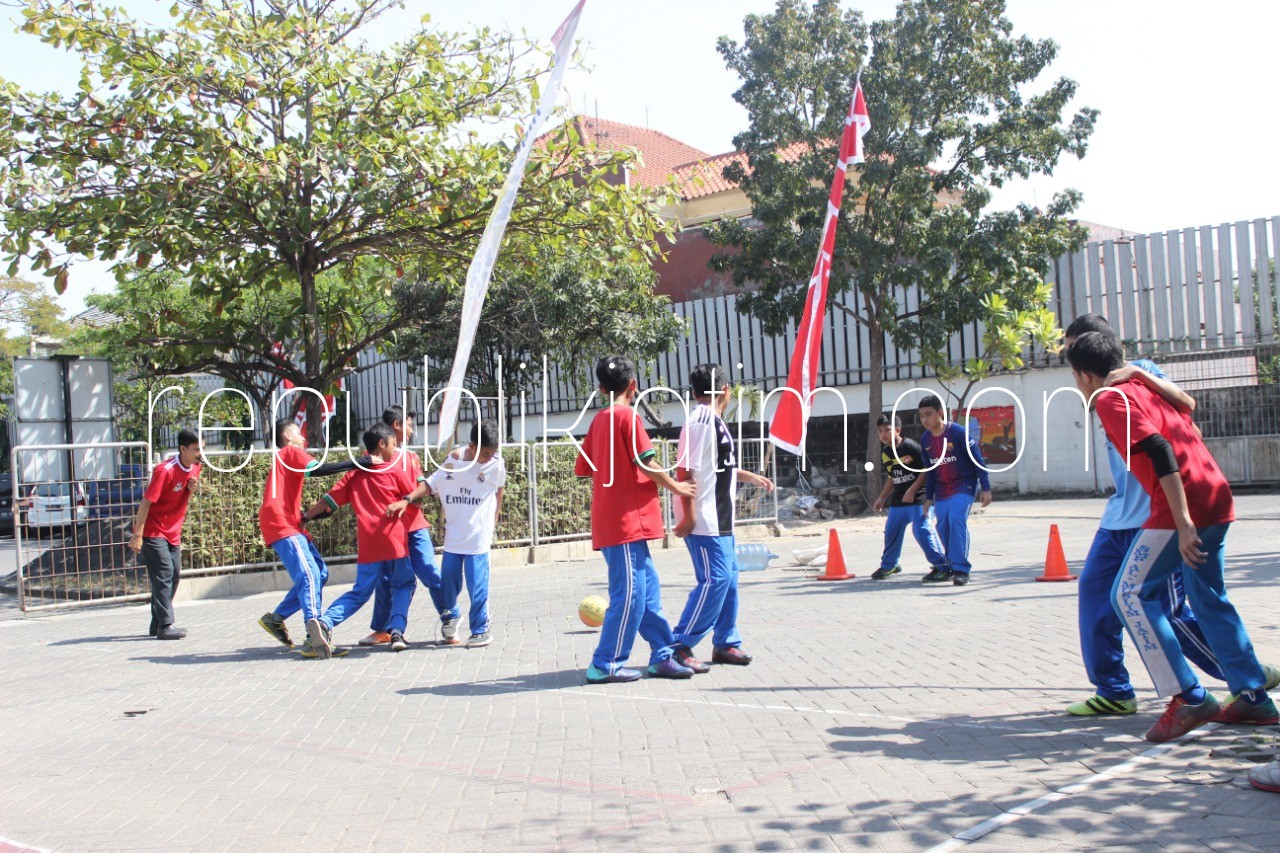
x=519 y=684
x=80 y=641
x=249 y=654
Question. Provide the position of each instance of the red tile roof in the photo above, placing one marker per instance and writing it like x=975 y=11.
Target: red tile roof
x=660 y=154
x=706 y=177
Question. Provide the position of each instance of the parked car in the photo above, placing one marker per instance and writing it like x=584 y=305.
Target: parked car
x=53 y=504
x=6 y=502
x=118 y=497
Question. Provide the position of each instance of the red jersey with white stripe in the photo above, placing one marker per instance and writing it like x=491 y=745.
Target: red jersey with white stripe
x=169 y=492
x=1208 y=492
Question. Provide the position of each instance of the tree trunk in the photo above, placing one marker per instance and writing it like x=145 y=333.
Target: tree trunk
x=875 y=404
x=311 y=355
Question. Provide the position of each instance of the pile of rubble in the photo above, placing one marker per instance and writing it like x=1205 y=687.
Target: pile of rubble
x=831 y=494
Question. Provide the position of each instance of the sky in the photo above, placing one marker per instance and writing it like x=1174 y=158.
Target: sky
x=1186 y=136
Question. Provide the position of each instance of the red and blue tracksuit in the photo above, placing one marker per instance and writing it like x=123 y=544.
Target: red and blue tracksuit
x=957 y=473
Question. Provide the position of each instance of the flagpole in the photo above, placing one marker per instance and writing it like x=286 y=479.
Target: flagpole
x=486 y=257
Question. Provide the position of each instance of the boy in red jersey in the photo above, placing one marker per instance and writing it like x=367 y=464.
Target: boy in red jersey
x=381 y=540
x=1181 y=536
x=625 y=514
x=280 y=519
x=157 y=530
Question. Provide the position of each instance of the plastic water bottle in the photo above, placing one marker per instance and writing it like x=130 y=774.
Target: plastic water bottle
x=753 y=557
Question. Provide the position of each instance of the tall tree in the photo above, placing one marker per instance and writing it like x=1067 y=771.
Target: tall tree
x=951 y=117
x=263 y=144
x=556 y=305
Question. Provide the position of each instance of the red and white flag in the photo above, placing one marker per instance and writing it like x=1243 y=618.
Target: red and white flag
x=790 y=421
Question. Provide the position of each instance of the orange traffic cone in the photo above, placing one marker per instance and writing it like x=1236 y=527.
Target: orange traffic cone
x=1055 y=561
x=835 y=562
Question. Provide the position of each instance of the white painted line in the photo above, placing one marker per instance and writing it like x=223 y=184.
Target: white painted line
x=8 y=844
x=986 y=827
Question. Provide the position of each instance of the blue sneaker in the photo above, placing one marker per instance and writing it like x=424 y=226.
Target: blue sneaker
x=623 y=674
x=670 y=668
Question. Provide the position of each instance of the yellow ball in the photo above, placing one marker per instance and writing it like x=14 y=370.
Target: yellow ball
x=591 y=611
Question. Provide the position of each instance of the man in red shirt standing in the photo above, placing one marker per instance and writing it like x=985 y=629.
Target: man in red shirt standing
x=625 y=514
x=1191 y=511
x=157 y=530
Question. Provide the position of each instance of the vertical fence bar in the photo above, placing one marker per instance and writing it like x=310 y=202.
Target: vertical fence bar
x=1146 y=298
x=1114 y=312
x=1160 y=291
x=1226 y=286
x=1130 y=297
x=1195 y=290
x=1245 y=285
x=1209 y=287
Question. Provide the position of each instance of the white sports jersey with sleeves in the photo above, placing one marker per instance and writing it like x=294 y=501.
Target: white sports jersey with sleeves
x=706 y=449
x=469 y=493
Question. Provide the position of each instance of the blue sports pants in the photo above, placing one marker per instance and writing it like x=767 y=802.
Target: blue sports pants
x=952 y=515
x=308 y=572
x=922 y=527
x=423 y=562
x=1102 y=633
x=1138 y=597
x=635 y=605
x=367 y=575
x=474 y=570
x=713 y=602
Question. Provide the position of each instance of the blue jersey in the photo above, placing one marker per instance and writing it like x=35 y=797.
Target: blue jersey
x=1130 y=506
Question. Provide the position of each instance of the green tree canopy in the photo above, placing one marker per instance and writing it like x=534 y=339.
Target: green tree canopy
x=953 y=114
x=260 y=146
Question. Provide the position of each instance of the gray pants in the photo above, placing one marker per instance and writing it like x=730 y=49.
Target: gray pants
x=164 y=569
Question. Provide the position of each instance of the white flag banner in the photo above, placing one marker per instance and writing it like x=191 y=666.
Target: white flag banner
x=481 y=269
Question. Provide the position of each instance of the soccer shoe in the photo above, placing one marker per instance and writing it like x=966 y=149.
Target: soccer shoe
x=377 y=638
x=479 y=641
x=449 y=632
x=881 y=574
x=397 y=642
x=1266 y=777
x=959 y=578
x=1272 y=682
x=940 y=574
x=684 y=655
x=1180 y=718
x=309 y=651
x=1099 y=706
x=730 y=655
x=318 y=638
x=669 y=668
x=274 y=626
x=621 y=675
x=1242 y=713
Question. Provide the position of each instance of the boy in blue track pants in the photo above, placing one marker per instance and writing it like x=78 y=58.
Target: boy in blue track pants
x=1191 y=511
x=901 y=488
x=625 y=514
x=706 y=457
x=381 y=543
x=280 y=518
x=1101 y=631
x=957 y=473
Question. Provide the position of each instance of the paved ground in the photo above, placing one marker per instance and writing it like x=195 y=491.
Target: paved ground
x=877 y=716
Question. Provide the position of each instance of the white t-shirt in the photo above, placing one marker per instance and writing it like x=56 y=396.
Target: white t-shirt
x=706 y=449
x=469 y=493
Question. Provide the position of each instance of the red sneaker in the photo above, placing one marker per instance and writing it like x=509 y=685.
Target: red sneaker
x=1244 y=713
x=1180 y=718
x=731 y=655
x=684 y=654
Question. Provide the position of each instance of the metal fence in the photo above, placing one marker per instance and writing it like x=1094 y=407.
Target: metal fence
x=71 y=536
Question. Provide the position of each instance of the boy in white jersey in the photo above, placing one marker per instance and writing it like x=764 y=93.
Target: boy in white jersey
x=469 y=484
x=706 y=456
